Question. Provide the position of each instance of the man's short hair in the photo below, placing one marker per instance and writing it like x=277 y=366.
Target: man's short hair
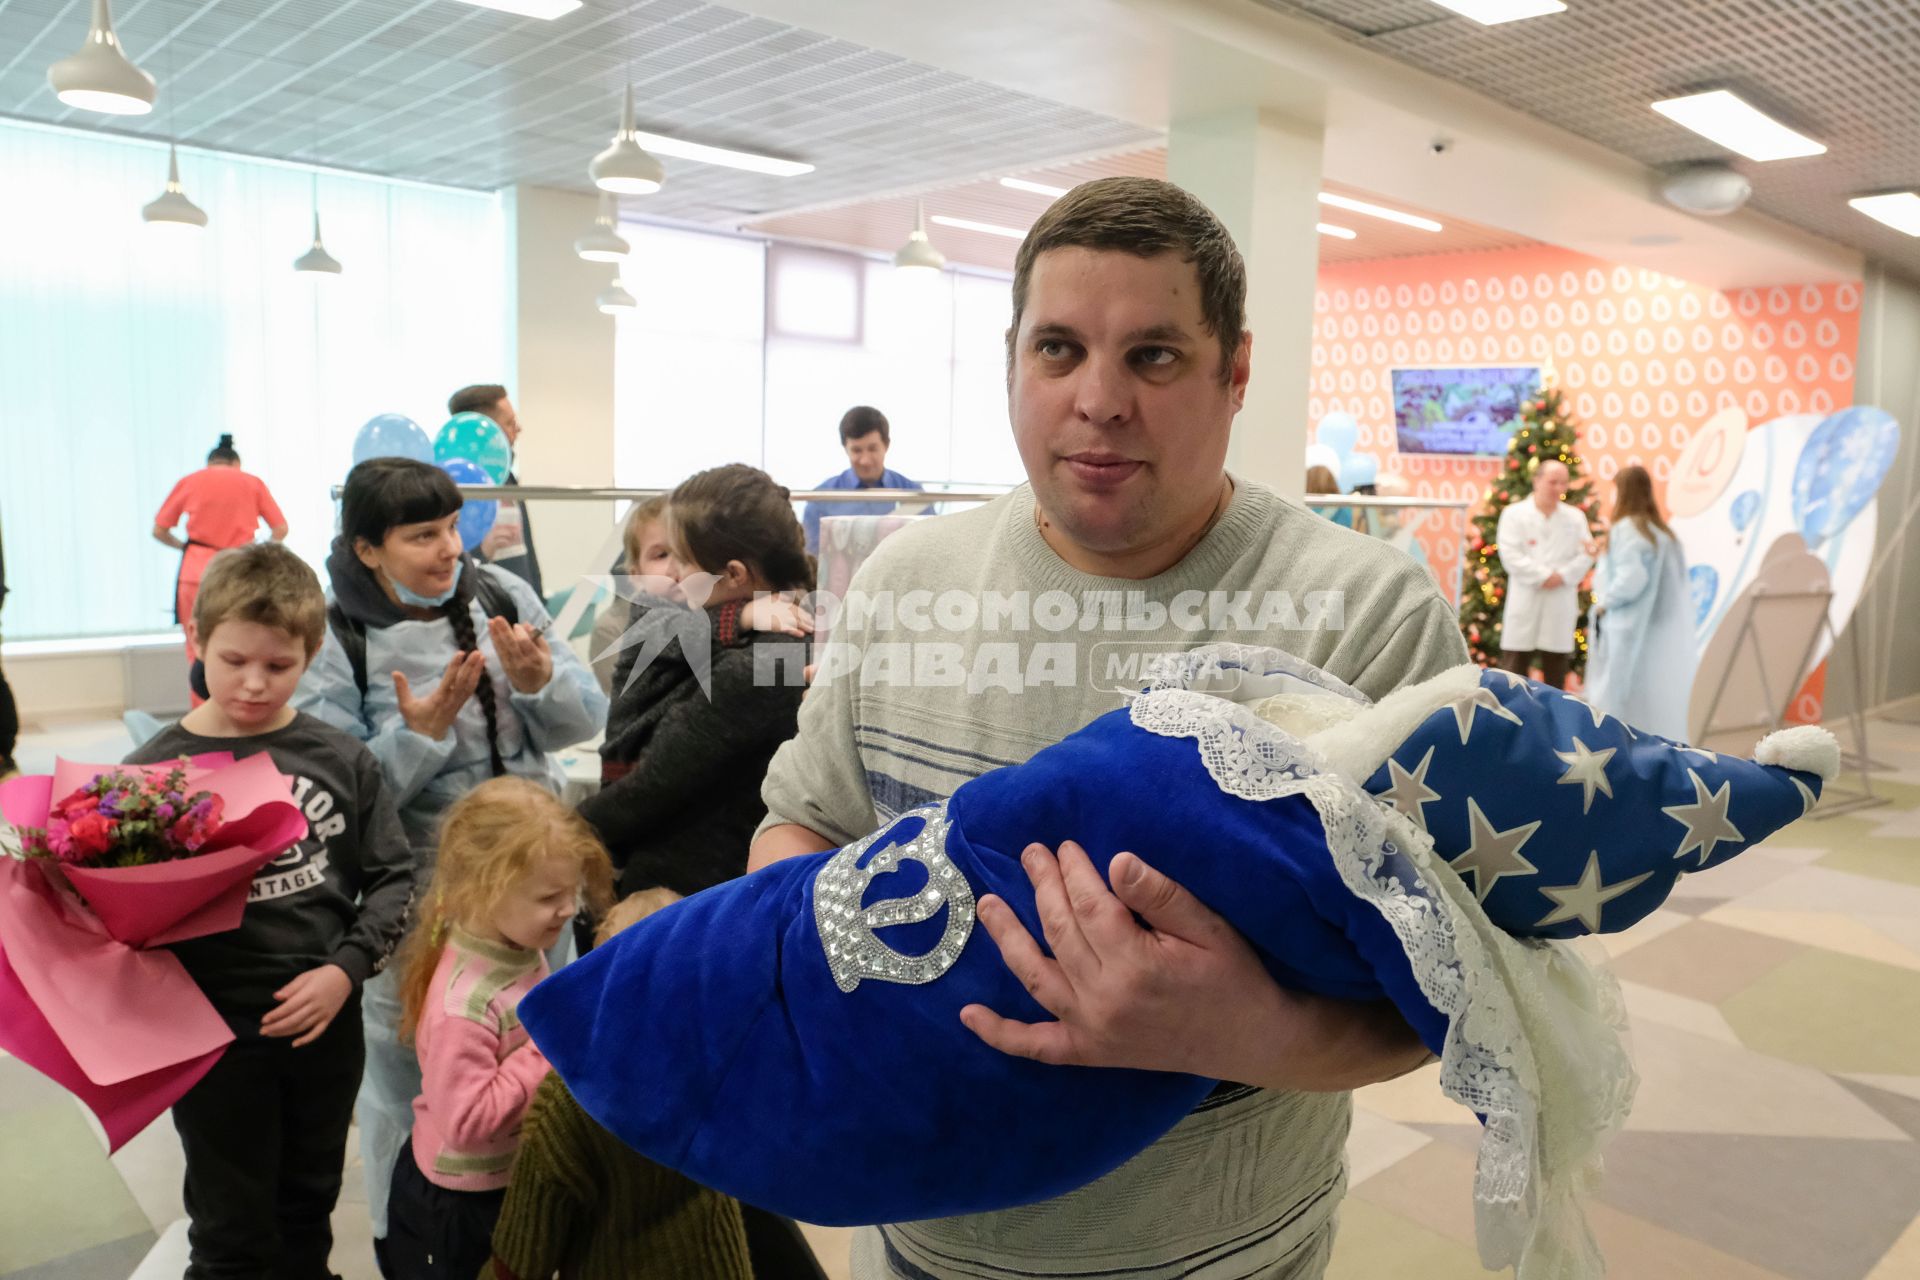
x=1145 y=217
x=478 y=398
x=264 y=583
x=864 y=420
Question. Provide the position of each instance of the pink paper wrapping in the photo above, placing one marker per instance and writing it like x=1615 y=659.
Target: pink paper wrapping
x=125 y=1029
x=171 y=901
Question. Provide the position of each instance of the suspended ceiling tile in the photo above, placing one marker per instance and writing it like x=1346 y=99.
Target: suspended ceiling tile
x=1842 y=71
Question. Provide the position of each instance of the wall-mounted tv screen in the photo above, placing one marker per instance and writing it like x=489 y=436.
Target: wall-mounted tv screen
x=1472 y=411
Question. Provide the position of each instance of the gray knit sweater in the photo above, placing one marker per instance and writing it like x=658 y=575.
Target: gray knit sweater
x=909 y=707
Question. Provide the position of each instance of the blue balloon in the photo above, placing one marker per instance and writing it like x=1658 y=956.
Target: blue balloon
x=1339 y=432
x=1745 y=508
x=1357 y=469
x=1840 y=468
x=1704 y=580
x=392 y=435
x=476 y=517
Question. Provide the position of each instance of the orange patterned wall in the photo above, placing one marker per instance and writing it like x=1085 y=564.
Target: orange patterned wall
x=1645 y=358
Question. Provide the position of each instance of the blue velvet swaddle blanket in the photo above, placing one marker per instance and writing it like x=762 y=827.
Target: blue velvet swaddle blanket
x=793 y=1038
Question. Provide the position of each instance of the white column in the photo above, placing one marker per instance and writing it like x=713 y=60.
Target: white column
x=1260 y=172
x=560 y=358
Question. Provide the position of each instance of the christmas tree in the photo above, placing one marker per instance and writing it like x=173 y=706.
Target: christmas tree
x=1546 y=433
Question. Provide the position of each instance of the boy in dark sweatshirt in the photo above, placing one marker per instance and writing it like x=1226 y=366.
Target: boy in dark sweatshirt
x=265 y=1130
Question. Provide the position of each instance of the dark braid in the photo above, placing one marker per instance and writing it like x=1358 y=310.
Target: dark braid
x=461 y=617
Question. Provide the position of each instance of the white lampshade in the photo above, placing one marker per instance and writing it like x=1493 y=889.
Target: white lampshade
x=172 y=208
x=918 y=253
x=317 y=259
x=100 y=77
x=614 y=299
x=603 y=243
x=625 y=168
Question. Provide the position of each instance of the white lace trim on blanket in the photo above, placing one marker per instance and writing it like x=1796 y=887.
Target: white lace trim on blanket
x=1535 y=1036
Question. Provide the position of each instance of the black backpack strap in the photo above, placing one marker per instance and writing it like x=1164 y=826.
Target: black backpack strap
x=353 y=641
x=495 y=600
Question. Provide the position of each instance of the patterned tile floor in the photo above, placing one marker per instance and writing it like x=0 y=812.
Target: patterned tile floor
x=1776 y=1011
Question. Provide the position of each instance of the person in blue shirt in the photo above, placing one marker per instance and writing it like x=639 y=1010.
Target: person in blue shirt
x=864 y=435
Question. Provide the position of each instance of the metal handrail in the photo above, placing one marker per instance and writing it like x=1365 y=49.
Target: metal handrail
x=1366 y=500
x=546 y=492
x=534 y=492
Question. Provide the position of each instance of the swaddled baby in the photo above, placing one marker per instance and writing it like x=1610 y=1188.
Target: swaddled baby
x=793 y=1038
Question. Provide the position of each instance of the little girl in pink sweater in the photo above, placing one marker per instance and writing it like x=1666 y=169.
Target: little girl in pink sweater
x=512 y=868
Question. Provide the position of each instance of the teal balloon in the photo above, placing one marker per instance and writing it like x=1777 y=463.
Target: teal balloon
x=1339 y=432
x=391 y=435
x=1357 y=469
x=478 y=439
x=476 y=517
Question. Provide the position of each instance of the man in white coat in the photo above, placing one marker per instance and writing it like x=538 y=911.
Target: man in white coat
x=1544 y=545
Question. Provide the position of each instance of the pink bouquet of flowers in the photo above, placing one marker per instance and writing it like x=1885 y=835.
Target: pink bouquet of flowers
x=125 y=860
x=128 y=819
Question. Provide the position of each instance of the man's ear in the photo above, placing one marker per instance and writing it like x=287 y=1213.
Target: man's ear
x=737 y=574
x=1241 y=371
x=193 y=640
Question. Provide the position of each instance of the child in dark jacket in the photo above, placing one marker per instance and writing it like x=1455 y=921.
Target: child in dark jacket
x=704 y=696
x=265 y=1131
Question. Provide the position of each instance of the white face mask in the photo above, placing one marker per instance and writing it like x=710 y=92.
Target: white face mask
x=419 y=601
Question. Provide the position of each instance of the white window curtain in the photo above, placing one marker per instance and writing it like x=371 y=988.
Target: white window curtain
x=742 y=351
x=688 y=388
x=126 y=352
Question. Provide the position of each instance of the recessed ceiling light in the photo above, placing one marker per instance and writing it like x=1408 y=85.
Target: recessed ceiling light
x=1728 y=119
x=987 y=228
x=1338 y=233
x=721 y=155
x=1899 y=210
x=1038 y=188
x=1493 y=12
x=530 y=8
x=1378 y=211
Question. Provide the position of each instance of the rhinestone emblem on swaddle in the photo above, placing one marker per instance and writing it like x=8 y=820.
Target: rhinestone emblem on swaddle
x=854 y=951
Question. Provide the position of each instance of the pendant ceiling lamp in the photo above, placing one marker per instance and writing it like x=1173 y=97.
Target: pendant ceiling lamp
x=317 y=260
x=625 y=168
x=172 y=208
x=100 y=77
x=614 y=299
x=918 y=253
x=603 y=243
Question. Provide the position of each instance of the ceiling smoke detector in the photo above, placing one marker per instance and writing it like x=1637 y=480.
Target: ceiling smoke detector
x=1711 y=189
